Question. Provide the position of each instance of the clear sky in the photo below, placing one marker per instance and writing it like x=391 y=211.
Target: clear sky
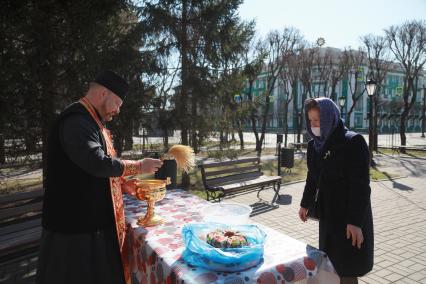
x=340 y=22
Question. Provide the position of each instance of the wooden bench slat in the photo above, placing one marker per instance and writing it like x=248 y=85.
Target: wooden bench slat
x=259 y=181
x=20 y=222
x=21 y=196
x=9 y=238
x=227 y=179
x=20 y=226
x=19 y=210
x=27 y=238
x=233 y=171
x=228 y=163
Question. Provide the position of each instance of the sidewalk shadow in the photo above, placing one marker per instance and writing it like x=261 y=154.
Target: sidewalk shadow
x=398 y=185
x=284 y=199
x=401 y=186
x=262 y=207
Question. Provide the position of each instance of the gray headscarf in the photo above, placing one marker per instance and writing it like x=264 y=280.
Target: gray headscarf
x=329 y=120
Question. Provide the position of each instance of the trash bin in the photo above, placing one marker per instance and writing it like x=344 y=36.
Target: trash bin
x=287 y=157
x=168 y=169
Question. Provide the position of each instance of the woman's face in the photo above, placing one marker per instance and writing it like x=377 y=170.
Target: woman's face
x=314 y=117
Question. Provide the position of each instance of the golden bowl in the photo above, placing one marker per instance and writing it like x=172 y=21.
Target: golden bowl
x=151 y=191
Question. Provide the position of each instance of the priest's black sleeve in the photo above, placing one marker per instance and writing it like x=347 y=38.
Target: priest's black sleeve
x=79 y=137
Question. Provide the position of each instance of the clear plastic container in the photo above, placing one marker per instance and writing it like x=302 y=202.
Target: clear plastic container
x=227 y=213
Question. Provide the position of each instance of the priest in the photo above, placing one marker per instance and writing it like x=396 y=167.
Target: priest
x=83 y=215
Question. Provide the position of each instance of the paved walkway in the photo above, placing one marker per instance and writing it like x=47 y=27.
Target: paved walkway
x=399 y=209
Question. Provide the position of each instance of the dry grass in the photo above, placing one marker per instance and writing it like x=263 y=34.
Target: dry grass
x=9 y=186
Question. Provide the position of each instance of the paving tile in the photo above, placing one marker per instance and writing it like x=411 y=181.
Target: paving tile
x=383 y=272
x=417 y=276
x=393 y=277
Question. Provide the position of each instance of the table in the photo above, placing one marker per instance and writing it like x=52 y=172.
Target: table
x=155 y=252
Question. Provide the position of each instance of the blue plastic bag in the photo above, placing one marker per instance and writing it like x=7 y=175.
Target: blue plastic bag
x=199 y=253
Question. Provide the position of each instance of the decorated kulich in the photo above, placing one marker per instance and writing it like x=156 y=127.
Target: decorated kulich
x=226 y=239
x=151 y=190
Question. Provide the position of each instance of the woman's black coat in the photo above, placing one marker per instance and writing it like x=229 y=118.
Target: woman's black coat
x=344 y=198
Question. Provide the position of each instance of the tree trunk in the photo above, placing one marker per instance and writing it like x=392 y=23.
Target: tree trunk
x=333 y=92
x=407 y=106
x=2 y=151
x=194 y=139
x=144 y=140
x=194 y=125
x=185 y=85
x=240 y=134
x=264 y=120
x=2 y=137
x=241 y=137
x=256 y=134
x=165 y=138
x=128 y=136
x=402 y=130
x=221 y=140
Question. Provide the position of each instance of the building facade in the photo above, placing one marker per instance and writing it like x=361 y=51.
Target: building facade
x=389 y=100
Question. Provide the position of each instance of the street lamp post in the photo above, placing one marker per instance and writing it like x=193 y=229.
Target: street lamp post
x=370 y=87
x=423 y=112
x=342 y=101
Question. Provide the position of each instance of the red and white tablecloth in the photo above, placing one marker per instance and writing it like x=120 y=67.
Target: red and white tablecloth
x=155 y=252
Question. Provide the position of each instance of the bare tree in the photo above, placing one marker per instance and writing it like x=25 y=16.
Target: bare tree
x=289 y=78
x=322 y=70
x=339 y=68
x=164 y=87
x=288 y=97
x=274 y=48
x=408 y=44
x=306 y=64
x=253 y=66
x=355 y=59
x=378 y=65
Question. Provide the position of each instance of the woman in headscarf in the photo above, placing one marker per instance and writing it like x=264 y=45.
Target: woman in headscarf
x=338 y=165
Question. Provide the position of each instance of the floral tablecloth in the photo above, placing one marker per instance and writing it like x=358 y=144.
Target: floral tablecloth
x=155 y=252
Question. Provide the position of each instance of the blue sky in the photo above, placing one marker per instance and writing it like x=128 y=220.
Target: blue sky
x=340 y=23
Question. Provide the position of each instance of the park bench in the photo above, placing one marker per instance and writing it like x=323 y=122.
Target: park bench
x=236 y=176
x=20 y=223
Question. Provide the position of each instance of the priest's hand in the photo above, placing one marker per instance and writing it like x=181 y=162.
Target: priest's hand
x=129 y=186
x=150 y=166
x=355 y=233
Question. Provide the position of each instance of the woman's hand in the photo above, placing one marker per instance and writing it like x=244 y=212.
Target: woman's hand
x=129 y=186
x=355 y=233
x=302 y=214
